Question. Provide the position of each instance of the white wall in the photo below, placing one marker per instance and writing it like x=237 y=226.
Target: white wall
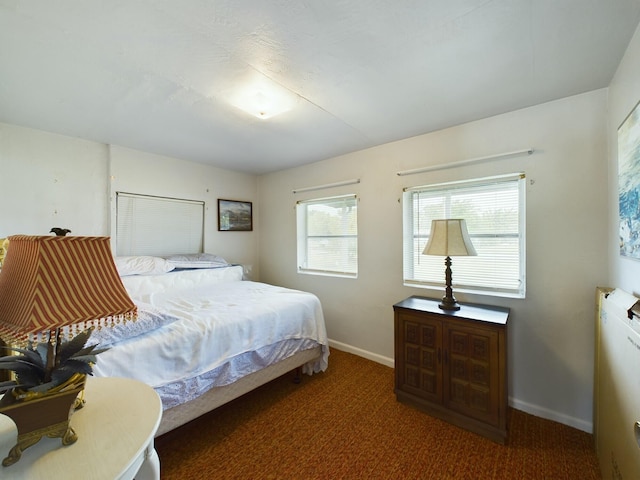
x=134 y=171
x=551 y=333
x=50 y=180
x=624 y=93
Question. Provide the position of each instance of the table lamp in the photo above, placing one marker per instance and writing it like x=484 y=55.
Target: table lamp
x=449 y=238
x=48 y=283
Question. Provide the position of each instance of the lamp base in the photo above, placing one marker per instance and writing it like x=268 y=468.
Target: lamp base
x=449 y=306
x=48 y=415
x=449 y=302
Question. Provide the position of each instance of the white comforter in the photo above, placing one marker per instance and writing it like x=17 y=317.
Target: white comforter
x=224 y=331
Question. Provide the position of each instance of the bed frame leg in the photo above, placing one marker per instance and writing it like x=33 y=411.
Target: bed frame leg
x=297 y=377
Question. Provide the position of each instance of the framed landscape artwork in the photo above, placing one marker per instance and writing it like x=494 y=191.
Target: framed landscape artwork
x=629 y=184
x=235 y=216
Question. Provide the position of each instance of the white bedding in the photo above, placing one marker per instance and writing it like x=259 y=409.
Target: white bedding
x=227 y=329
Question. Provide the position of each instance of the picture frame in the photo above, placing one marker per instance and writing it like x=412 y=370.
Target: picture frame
x=235 y=216
x=629 y=184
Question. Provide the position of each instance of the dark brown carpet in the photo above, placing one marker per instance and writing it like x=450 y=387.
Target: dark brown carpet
x=346 y=424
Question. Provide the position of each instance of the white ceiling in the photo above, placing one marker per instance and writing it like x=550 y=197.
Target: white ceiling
x=158 y=75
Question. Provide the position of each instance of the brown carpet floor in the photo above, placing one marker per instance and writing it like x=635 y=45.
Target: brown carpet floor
x=346 y=424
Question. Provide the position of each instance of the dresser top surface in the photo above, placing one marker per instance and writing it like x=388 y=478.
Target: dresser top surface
x=468 y=311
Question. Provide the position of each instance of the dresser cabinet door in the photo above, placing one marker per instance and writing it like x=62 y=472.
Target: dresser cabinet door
x=471 y=372
x=420 y=345
x=453 y=364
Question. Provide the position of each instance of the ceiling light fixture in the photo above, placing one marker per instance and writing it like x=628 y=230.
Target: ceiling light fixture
x=264 y=99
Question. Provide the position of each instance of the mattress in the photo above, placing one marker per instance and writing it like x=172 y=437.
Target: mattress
x=219 y=329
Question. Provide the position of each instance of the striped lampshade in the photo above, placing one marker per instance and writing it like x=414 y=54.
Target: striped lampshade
x=49 y=282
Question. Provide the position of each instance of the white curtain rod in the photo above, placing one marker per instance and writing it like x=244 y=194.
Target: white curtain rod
x=444 y=166
x=327 y=185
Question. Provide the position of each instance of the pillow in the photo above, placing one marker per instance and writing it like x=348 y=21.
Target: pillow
x=149 y=318
x=197 y=260
x=143 y=287
x=142 y=265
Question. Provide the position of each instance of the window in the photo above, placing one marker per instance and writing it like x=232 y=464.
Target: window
x=494 y=212
x=328 y=236
x=148 y=225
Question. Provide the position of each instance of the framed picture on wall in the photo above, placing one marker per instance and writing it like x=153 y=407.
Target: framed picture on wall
x=629 y=184
x=235 y=216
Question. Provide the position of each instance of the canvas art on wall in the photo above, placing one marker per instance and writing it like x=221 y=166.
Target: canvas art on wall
x=629 y=184
x=235 y=216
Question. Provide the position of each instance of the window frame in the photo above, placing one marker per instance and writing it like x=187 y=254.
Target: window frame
x=302 y=233
x=462 y=284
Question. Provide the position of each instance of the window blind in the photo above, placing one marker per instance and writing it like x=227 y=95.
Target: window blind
x=494 y=212
x=328 y=235
x=150 y=225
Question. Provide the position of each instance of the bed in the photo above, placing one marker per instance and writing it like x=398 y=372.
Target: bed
x=205 y=336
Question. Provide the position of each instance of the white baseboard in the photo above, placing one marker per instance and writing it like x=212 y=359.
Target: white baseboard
x=389 y=362
x=538 y=411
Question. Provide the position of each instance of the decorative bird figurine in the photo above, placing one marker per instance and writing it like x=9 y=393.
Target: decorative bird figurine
x=60 y=232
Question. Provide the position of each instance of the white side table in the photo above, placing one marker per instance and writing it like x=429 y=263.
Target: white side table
x=115 y=432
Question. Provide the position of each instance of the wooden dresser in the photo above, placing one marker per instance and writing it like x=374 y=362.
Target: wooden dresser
x=453 y=364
